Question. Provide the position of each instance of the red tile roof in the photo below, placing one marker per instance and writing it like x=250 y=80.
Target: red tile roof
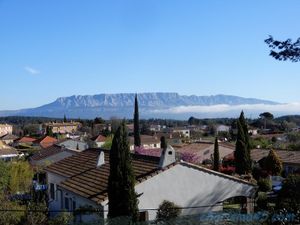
x=99 y=138
x=26 y=140
x=90 y=182
x=46 y=141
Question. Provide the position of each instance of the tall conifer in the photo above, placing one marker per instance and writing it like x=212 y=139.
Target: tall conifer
x=216 y=156
x=242 y=150
x=137 y=137
x=121 y=193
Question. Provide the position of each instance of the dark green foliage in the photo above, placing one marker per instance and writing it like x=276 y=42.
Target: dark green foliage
x=65 y=118
x=49 y=131
x=264 y=184
x=262 y=201
x=289 y=195
x=163 y=142
x=242 y=151
x=284 y=50
x=167 y=210
x=98 y=120
x=272 y=163
x=4 y=176
x=266 y=115
x=137 y=138
x=216 y=156
x=121 y=193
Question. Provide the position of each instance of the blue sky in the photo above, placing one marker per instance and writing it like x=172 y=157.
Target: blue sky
x=55 y=48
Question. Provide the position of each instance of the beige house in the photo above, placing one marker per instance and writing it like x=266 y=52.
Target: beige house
x=5 y=129
x=147 y=141
x=63 y=128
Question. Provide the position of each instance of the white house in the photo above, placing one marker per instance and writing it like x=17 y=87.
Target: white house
x=5 y=129
x=99 y=140
x=7 y=153
x=222 y=128
x=81 y=181
x=184 y=132
x=147 y=142
x=74 y=145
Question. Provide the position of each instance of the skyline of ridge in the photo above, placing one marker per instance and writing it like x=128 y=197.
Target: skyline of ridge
x=199 y=47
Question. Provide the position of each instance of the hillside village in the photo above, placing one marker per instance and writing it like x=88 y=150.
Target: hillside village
x=63 y=166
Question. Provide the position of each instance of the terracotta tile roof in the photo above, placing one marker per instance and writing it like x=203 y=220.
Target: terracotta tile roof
x=26 y=140
x=290 y=157
x=99 y=138
x=45 y=142
x=90 y=182
x=46 y=152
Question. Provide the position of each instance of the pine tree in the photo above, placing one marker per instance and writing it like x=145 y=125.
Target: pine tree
x=216 y=156
x=121 y=193
x=137 y=137
x=273 y=164
x=242 y=149
x=65 y=118
x=163 y=143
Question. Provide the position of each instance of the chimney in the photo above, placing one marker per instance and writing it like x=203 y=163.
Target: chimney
x=100 y=160
x=167 y=157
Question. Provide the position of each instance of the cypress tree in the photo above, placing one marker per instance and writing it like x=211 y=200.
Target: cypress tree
x=65 y=118
x=216 y=156
x=242 y=149
x=121 y=193
x=163 y=143
x=137 y=137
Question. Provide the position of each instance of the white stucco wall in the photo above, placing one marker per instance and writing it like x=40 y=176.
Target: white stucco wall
x=189 y=187
x=58 y=204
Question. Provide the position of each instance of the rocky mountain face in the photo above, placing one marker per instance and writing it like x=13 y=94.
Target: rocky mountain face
x=158 y=105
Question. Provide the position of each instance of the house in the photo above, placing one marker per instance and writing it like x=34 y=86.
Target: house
x=205 y=150
x=147 y=142
x=80 y=181
x=222 y=128
x=45 y=142
x=184 y=132
x=8 y=138
x=5 y=129
x=290 y=159
x=28 y=141
x=74 y=145
x=50 y=155
x=7 y=153
x=99 y=140
x=63 y=128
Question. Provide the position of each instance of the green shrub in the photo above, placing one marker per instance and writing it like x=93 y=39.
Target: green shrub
x=262 y=201
x=264 y=185
x=167 y=210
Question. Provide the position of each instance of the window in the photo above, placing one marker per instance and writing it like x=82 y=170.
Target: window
x=144 y=216
x=52 y=191
x=67 y=207
x=74 y=204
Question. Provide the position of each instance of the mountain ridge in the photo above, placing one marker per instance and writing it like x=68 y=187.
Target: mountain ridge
x=121 y=104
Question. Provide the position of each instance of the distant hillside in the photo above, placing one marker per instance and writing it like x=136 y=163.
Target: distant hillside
x=121 y=105
x=290 y=118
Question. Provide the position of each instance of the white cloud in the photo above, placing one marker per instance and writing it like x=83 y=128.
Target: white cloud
x=224 y=108
x=31 y=70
